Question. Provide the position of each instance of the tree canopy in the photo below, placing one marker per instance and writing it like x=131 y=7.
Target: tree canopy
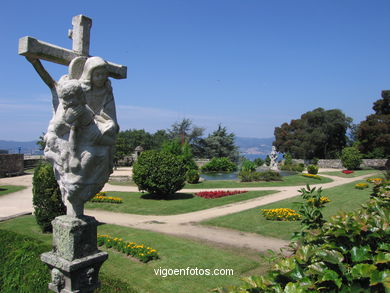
x=373 y=134
x=220 y=144
x=317 y=134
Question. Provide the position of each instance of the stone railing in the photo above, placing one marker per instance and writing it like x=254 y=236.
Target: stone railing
x=11 y=165
x=336 y=163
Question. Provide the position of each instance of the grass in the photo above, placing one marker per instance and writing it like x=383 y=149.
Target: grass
x=6 y=189
x=355 y=173
x=146 y=204
x=344 y=197
x=292 y=180
x=175 y=253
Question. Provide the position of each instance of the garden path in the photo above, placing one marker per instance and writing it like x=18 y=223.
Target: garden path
x=183 y=225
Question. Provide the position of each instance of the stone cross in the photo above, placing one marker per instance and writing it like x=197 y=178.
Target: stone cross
x=80 y=34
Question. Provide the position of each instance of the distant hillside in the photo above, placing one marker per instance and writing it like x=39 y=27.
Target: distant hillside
x=254 y=146
x=26 y=147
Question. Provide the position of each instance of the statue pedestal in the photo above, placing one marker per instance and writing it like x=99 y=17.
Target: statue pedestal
x=75 y=260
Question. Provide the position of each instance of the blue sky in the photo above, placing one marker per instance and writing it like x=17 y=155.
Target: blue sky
x=248 y=64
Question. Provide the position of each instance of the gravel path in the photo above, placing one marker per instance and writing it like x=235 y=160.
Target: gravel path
x=183 y=225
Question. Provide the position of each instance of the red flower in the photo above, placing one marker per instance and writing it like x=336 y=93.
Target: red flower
x=347 y=171
x=218 y=193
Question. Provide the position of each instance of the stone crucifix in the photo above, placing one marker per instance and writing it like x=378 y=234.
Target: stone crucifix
x=79 y=143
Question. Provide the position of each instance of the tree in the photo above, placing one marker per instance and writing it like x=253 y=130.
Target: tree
x=128 y=140
x=221 y=144
x=185 y=131
x=351 y=158
x=41 y=142
x=374 y=133
x=183 y=151
x=319 y=133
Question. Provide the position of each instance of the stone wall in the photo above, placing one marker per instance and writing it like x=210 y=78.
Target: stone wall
x=11 y=165
x=336 y=164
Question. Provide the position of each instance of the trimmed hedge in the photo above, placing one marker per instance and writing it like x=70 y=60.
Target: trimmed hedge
x=47 y=200
x=160 y=173
x=22 y=271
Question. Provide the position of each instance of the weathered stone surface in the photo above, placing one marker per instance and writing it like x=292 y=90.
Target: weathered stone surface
x=74 y=237
x=11 y=164
x=273 y=156
x=80 y=275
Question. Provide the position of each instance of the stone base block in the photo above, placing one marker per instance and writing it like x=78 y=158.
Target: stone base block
x=77 y=276
x=73 y=237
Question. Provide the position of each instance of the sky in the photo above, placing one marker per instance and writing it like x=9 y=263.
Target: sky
x=250 y=65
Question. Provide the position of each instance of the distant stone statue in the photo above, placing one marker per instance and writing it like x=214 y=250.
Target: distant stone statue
x=82 y=131
x=273 y=156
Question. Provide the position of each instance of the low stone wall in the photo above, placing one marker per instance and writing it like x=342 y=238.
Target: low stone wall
x=336 y=164
x=11 y=165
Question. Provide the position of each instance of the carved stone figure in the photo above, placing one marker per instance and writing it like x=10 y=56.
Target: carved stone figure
x=273 y=156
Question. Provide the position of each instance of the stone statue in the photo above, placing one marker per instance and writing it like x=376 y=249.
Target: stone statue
x=82 y=132
x=79 y=143
x=273 y=156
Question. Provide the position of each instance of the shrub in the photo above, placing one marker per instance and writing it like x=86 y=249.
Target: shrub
x=192 y=176
x=294 y=167
x=258 y=162
x=351 y=158
x=288 y=159
x=350 y=253
x=312 y=169
x=47 y=200
x=248 y=165
x=248 y=176
x=159 y=173
x=219 y=165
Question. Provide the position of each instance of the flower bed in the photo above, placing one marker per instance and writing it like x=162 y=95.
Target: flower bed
x=323 y=200
x=281 y=214
x=140 y=252
x=218 y=193
x=106 y=199
x=363 y=185
x=375 y=180
x=311 y=176
x=347 y=171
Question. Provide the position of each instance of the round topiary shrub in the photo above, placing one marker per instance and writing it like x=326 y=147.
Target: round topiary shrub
x=47 y=200
x=351 y=158
x=192 y=176
x=312 y=169
x=160 y=173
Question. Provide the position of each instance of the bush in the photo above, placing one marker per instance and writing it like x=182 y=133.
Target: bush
x=47 y=200
x=159 y=173
x=350 y=253
x=192 y=176
x=294 y=167
x=248 y=165
x=258 y=162
x=219 y=165
x=351 y=158
x=287 y=159
x=248 y=176
x=312 y=169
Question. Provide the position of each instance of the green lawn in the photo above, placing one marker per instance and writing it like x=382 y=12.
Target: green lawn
x=146 y=204
x=355 y=173
x=175 y=253
x=5 y=189
x=344 y=197
x=287 y=181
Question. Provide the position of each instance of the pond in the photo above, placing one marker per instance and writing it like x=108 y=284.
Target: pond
x=234 y=175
